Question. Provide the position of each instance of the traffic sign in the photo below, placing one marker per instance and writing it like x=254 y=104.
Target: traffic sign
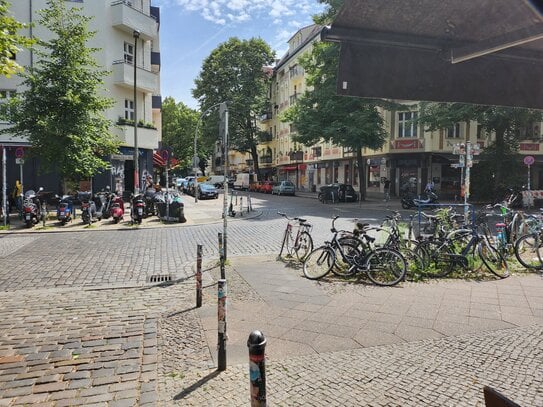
x=529 y=160
x=19 y=161
x=19 y=152
x=195 y=161
x=165 y=154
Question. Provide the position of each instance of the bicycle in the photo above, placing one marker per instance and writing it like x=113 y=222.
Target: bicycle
x=299 y=245
x=441 y=256
x=383 y=266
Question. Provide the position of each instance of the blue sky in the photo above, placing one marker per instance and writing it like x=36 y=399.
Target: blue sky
x=191 y=29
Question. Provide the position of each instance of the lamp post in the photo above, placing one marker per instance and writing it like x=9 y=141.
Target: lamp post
x=136 y=35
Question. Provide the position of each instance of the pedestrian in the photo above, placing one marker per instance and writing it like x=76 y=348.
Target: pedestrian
x=386 y=184
x=17 y=195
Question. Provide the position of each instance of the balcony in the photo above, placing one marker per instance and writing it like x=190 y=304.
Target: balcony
x=147 y=138
x=265 y=137
x=123 y=75
x=157 y=102
x=127 y=18
x=265 y=116
x=265 y=159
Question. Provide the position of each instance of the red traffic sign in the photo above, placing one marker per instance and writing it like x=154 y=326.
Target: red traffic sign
x=165 y=154
x=529 y=160
x=19 y=152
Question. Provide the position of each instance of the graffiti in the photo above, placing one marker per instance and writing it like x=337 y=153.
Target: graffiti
x=117 y=169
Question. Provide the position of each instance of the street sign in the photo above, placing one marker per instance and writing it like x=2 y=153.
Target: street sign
x=19 y=152
x=20 y=161
x=456 y=165
x=529 y=160
x=195 y=161
x=165 y=154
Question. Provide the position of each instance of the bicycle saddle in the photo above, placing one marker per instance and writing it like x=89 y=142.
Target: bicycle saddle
x=361 y=225
x=301 y=220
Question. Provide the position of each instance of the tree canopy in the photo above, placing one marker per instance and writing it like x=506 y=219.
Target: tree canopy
x=61 y=111
x=10 y=41
x=234 y=73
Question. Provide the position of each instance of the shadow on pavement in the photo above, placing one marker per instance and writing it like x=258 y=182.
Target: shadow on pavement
x=196 y=385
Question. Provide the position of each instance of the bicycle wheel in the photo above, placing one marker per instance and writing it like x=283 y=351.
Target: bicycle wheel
x=319 y=262
x=343 y=262
x=303 y=246
x=492 y=259
x=288 y=243
x=385 y=267
x=437 y=257
x=415 y=263
x=529 y=251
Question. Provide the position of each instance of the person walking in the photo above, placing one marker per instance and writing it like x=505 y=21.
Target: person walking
x=386 y=184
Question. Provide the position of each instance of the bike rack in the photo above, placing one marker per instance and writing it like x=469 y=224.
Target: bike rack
x=467 y=209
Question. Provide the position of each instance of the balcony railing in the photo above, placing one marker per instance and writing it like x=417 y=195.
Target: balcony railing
x=265 y=137
x=123 y=75
x=266 y=116
x=157 y=102
x=147 y=138
x=155 y=58
x=265 y=159
x=127 y=18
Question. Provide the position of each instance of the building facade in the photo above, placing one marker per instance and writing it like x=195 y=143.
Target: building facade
x=127 y=39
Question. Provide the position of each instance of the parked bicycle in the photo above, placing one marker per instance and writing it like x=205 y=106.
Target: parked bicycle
x=297 y=239
x=383 y=266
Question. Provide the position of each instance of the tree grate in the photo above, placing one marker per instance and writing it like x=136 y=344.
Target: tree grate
x=160 y=278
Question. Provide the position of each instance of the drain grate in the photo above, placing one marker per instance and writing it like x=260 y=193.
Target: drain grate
x=160 y=278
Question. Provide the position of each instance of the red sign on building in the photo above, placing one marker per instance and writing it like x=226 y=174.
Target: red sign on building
x=407 y=144
x=529 y=146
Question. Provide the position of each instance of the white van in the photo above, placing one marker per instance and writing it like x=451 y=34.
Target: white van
x=216 y=180
x=243 y=180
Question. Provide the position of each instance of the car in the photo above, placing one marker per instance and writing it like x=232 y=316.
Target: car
x=254 y=187
x=207 y=191
x=284 y=188
x=338 y=193
x=266 y=187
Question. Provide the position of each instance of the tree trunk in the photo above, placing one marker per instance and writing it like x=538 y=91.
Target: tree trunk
x=254 y=155
x=361 y=173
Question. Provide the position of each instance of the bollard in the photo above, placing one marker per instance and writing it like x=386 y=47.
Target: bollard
x=257 y=368
x=198 y=275
x=240 y=206
x=249 y=204
x=221 y=313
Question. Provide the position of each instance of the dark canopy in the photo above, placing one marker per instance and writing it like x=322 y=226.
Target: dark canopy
x=474 y=51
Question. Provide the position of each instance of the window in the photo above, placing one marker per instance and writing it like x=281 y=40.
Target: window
x=406 y=125
x=128 y=53
x=128 y=109
x=454 y=131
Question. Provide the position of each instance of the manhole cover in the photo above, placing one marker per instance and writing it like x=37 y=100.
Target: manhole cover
x=160 y=278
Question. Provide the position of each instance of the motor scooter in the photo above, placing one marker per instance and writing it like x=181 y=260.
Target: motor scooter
x=137 y=208
x=32 y=208
x=65 y=209
x=88 y=207
x=149 y=200
x=409 y=201
x=116 y=210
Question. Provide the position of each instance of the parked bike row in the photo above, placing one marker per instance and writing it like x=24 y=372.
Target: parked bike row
x=428 y=244
x=104 y=205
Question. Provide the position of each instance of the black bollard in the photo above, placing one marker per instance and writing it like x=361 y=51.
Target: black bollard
x=198 y=276
x=221 y=307
x=257 y=368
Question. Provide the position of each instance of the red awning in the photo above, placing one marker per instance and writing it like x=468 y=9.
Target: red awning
x=290 y=168
x=158 y=161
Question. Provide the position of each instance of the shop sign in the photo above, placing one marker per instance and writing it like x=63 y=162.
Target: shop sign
x=407 y=144
x=529 y=146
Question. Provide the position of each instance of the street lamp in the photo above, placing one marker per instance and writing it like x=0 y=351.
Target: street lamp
x=136 y=35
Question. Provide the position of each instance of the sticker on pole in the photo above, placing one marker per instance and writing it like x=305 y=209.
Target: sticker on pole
x=529 y=160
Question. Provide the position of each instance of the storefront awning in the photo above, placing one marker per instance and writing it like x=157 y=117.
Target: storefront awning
x=158 y=161
x=486 y=52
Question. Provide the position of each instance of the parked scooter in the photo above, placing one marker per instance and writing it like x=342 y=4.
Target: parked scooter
x=149 y=200
x=116 y=210
x=103 y=200
x=32 y=208
x=88 y=207
x=412 y=202
x=65 y=209
x=137 y=210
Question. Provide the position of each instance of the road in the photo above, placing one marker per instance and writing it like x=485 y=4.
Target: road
x=81 y=325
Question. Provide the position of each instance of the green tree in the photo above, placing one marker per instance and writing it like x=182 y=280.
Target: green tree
x=234 y=73
x=178 y=130
x=321 y=115
x=61 y=112
x=10 y=41
x=500 y=165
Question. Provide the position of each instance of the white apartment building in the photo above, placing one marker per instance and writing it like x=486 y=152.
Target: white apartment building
x=127 y=33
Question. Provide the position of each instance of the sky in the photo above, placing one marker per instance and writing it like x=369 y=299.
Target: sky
x=191 y=29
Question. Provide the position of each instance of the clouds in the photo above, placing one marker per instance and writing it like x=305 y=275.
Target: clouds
x=240 y=11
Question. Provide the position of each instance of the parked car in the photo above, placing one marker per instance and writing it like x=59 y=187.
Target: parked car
x=207 y=191
x=266 y=187
x=338 y=193
x=284 y=188
x=254 y=186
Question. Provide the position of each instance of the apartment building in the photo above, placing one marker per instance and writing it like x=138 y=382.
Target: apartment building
x=127 y=36
x=410 y=153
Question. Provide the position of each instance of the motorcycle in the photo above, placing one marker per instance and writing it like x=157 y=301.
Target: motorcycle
x=65 y=209
x=137 y=208
x=116 y=210
x=103 y=200
x=411 y=202
x=88 y=207
x=149 y=200
x=33 y=210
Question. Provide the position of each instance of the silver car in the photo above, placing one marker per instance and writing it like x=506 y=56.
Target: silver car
x=284 y=188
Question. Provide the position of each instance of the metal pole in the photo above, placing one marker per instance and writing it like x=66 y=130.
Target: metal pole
x=22 y=181
x=221 y=255
x=4 y=187
x=467 y=179
x=225 y=203
x=136 y=35
x=529 y=190
x=194 y=162
x=198 y=275
x=167 y=196
x=221 y=310
x=257 y=368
